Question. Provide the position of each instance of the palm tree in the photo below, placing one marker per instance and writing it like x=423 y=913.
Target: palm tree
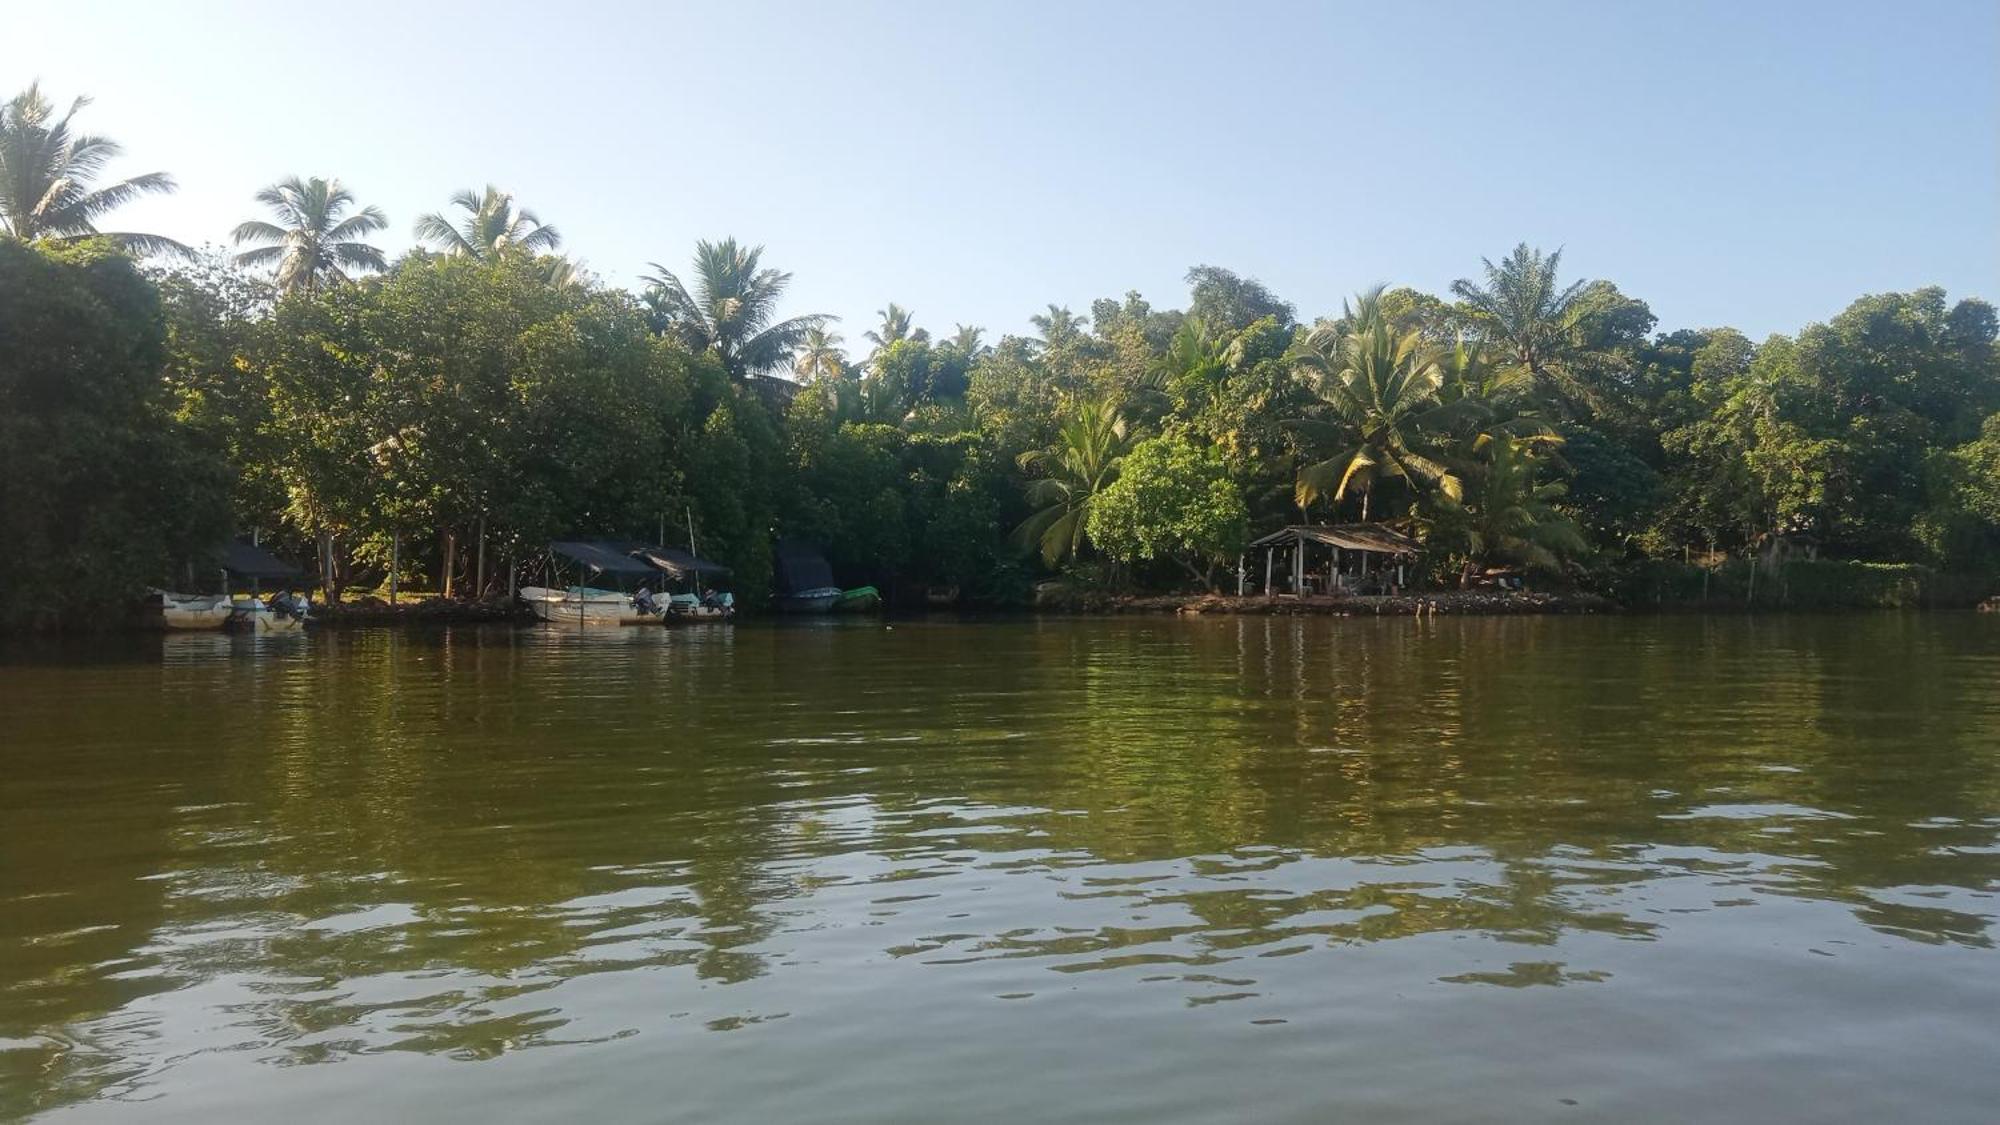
x=1507 y=514
x=1058 y=326
x=818 y=355
x=965 y=338
x=312 y=242
x=47 y=174
x=1081 y=464
x=1536 y=323
x=1379 y=394
x=1194 y=365
x=493 y=224
x=731 y=309
x=896 y=325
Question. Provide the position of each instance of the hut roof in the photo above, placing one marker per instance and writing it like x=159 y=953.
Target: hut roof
x=600 y=558
x=245 y=561
x=1351 y=536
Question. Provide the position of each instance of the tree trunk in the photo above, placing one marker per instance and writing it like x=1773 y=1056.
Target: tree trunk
x=479 y=586
x=450 y=560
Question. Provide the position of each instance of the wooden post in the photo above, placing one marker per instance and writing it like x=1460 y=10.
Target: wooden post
x=1270 y=556
x=1299 y=566
x=1336 y=567
x=450 y=560
x=395 y=562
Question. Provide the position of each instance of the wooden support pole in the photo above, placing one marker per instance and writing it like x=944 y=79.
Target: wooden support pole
x=1270 y=556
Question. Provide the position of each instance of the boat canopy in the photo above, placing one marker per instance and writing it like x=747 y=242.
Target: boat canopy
x=256 y=564
x=600 y=559
x=801 y=567
x=678 y=563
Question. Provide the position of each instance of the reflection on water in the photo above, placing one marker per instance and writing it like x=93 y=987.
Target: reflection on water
x=1082 y=869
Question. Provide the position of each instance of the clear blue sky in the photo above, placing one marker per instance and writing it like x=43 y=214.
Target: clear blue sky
x=1755 y=164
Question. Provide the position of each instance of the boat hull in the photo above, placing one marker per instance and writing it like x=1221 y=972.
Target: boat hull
x=187 y=612
x=255 y=617
x=861 y=599
x=585 y=607
x=809 y=601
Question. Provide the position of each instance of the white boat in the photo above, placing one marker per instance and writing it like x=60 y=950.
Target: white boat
x=582 y=605
x=177 y=612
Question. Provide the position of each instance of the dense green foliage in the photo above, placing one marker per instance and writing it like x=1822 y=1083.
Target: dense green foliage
x=466 y=405
x=101 y=487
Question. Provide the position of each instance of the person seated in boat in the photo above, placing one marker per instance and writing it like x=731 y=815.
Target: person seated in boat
x=644 y=601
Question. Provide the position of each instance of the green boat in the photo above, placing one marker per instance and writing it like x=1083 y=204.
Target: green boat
x=861 y=599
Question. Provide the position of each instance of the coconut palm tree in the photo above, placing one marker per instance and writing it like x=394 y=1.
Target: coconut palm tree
x=896 y=325
x=818 y=355
x=1380 y=407
x=1535 y=322
x=48 y=176
x=312 y=242
x=493 y=223
x=731 y=310
x=1507 y=514
x=1081 y=464
x=1058 y=326
x=965 y=338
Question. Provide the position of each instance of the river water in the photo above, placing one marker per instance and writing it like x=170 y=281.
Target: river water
x=1587 y=869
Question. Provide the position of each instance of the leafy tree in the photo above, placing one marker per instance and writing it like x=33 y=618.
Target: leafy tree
x=315 y=240
x=1960 y=528
x=48 y=178
x=1172 y=500
x=102 y=489
x=1230 y=303
x=215 y=316
x=1075 y=470
x=732 y=309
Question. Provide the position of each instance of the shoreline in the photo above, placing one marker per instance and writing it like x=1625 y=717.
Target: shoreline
x=1484 y=603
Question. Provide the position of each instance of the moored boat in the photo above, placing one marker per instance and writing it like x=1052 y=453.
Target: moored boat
x=583 y=605
x=805 y=581
x=820 y=599
x=860 y=599
x=176 y=612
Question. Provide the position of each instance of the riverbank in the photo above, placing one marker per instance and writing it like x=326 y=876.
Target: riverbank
x=428 y=611
x=1414 y=604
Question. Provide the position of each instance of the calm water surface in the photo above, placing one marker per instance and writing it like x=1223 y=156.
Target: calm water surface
x=1125 y=870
